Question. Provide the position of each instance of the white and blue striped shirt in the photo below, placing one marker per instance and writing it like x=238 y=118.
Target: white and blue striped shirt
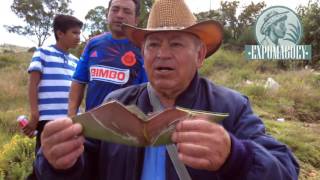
x=56 y=68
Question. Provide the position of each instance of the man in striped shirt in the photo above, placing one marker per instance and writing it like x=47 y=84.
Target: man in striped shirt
x=50 y=73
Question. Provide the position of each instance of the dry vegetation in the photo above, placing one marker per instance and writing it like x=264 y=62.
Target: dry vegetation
x=296 y=100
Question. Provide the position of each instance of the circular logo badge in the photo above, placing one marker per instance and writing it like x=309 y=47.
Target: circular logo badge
x=129 y=59
x=278 y=25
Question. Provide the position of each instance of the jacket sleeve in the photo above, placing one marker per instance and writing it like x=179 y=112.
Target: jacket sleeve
x=254 y=154
x=84 y=168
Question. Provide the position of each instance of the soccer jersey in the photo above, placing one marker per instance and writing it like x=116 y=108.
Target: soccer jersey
x=108 y=64
x=56 y=68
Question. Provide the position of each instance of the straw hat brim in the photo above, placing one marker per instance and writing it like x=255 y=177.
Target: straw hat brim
x=209 y=32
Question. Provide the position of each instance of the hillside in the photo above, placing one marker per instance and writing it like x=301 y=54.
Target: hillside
x=295 y=102
x=12 y=48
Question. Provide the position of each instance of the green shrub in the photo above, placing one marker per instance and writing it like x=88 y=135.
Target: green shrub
x=220 y=61
x=16 y=157
x=247 y=37
x=8 y=123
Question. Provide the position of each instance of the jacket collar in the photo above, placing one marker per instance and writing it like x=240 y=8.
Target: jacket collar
x=188 y=98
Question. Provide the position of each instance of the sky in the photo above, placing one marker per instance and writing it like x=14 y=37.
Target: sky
x=81 y=7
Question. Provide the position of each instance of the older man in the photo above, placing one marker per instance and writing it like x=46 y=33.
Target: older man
x=173 y=47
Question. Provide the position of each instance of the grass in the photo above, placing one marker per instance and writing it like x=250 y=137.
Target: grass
x=13 y=92
x=12 y=48
x=296 y=100
x=304 y=140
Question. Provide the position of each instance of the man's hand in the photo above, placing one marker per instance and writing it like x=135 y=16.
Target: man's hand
x=34 y=80
x=31 y=127
x=62 y=143
x=202 y=144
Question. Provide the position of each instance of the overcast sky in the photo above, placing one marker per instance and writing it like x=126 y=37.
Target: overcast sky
x=81 y=7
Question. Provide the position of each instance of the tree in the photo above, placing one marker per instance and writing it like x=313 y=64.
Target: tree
x=310 y=16
x=212 y=14
x=215 y=15
x=38 y=16
x=249 y=15
x=235 y=26
x=96 y=21
x=246 y=20
x=144 y=12
x=229 y=19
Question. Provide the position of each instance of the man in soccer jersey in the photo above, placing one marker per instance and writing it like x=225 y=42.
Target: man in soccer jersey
x=109 y=61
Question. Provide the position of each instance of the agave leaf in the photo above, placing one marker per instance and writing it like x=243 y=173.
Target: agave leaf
x=292 y=37
x=294 y=26
x=297 y=28
x=289 y=39
x=295 y=34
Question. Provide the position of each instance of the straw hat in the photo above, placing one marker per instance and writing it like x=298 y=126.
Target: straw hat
x=174 y=15
x=271 y=18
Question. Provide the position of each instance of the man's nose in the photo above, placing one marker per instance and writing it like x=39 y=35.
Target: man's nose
x=164 y=51
x=120 y=14
x=77 y=36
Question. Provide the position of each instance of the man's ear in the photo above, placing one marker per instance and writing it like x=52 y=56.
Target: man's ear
x=60 y=34
x=106 y=13
x=202 y=51
x=142 y=48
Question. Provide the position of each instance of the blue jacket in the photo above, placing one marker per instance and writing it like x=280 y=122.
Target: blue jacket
x=254 y=154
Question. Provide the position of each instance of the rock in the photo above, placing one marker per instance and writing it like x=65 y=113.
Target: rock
x=312 y=173
x=271 y=84
x=248 y=82
x=280 y=119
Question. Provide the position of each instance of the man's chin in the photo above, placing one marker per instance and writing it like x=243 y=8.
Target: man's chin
x=74 y=45
x=115 y=27
x=164 y=86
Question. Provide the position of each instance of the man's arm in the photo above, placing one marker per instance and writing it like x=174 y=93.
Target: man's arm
x=64 y=153
x=60 y=154
x=254 y=154
x=80 y=79
x=75 y=97
x=34 y=80
x=246 y=153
